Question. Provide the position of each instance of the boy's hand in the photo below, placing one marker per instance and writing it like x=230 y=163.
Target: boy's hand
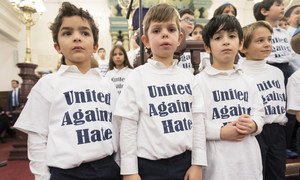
x=245 y=125
x=193 y=173
x=230 y=132
x=132 y=177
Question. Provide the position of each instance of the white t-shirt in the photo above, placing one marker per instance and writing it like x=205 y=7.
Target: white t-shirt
x=205 y=60
x=291 y=30
x=103 y=66
x=118 y=77
x=295 y=62
x=270 y=82
x=281 y=48
x=293 y=93
x=227 y=95
x=185 y=62
x=74 y=111
x=162 y=101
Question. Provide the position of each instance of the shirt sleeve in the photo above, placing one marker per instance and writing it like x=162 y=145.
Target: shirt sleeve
x=293 y=94
x=37 y=145
x=128 y=146
x=199 y=141
x=116 y=123
x=127 y=106
x=35 y=115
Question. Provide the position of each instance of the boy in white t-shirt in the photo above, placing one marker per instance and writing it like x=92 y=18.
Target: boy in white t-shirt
x=270 y=82
x=233 y=105
x=68 y=114
x=293 y=17
x=187 y=24
x=293 y=93
x=162 y=130
x=103 y=62
x=282 y=54
x=293 y=105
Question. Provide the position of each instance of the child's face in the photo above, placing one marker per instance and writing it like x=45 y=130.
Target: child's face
x=283 y=24
x=75 y=41
x=118 y=58
x=260 y=46
x=163 y=39
x=187 y=23
x=294 y=19
x=197 y=34
x=224 y=46
x=102 y=53
x=275 y=12
x=229 y=10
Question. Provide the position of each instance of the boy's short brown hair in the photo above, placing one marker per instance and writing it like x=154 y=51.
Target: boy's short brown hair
x=160 y=13
x=248 y=32
x=68 y=10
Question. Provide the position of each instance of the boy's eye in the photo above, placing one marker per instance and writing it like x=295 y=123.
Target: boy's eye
x=260 y=40
x=217 y=38
x=232 y=36
x=66 y=33
x=85 y=33
x=172 y=29
x=270 y=39
x=155 y=31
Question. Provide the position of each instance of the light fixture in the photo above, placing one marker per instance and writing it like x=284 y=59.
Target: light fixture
x=29 y=12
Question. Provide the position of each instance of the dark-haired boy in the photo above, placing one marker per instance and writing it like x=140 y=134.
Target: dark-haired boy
x=233 y=106
x=68 y=115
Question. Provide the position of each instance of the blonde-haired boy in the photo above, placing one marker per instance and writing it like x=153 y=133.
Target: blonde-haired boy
x=270 y=82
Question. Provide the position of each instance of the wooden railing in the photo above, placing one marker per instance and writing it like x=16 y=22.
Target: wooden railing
x=195 y=48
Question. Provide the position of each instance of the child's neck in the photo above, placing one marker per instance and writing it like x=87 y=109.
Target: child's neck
x=223 y=67
x=166 y=61
x=119 y=67
x=83 y=67
x=274 y=23
x=251 y=59
x=83 y=70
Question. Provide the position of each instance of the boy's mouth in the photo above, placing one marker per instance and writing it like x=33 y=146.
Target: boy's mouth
x=77 y=48
x=226 y=50
x=165 y=44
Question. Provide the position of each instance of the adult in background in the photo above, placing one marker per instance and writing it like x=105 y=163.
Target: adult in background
x=14 y=96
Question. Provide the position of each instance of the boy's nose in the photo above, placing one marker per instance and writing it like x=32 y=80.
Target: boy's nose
x=77 y=37
x=268 y=43
x=165 y=34
x=226 y=41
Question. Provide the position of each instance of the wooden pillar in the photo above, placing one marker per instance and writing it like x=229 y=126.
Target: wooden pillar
x=29 y=78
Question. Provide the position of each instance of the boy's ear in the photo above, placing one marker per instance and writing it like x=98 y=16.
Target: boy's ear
x=145 y=41
x=241 y=45
x=56 y=46
x=243 y=50
x=207 y=49
x=264 y=12
x=180 y=37
x=95 y=48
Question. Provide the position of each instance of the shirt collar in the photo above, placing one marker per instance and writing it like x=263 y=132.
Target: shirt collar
x=255 y=64
x=210 y=70
x=74 y=69
x=117 y=70
x=160 y=65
